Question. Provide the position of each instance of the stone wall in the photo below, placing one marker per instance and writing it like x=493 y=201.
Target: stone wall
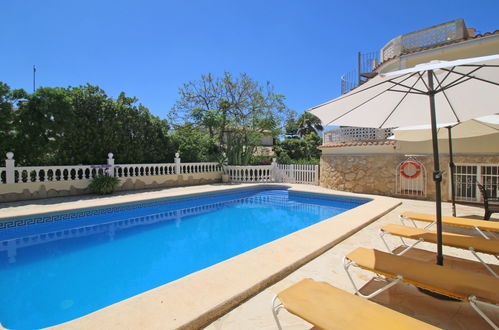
x=376 y=173
x=361 y=173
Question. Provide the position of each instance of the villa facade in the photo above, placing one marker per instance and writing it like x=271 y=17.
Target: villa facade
x=369 y=160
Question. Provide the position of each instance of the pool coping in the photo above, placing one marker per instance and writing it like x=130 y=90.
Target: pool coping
x=196 y=300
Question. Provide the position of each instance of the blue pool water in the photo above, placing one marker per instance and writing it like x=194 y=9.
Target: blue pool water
x=57 y=271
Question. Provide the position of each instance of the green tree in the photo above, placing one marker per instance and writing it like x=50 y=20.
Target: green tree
x=291 y=128
x=308 y=123
x=81 y=125
x=193 y=144
x=41 y=124
x=296 y=150
x=9 y=101
x=233 y=111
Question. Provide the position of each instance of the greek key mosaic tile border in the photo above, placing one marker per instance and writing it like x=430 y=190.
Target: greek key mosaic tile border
x=66 y=215
x=25 y=221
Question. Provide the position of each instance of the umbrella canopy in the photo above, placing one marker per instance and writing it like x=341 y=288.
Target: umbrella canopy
x=431 y=93
x=463 y=89
x=471 y=128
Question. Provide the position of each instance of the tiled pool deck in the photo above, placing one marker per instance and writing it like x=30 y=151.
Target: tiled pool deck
x=219 y=288
x=256 y=312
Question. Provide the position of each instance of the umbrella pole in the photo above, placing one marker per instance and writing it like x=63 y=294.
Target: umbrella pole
x=452 y=167
x=437 y=174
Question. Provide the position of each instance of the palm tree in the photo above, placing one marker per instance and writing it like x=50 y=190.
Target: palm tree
x=308 y=123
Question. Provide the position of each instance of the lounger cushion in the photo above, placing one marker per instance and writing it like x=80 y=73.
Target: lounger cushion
x=461 y=222
x=450 y=239
x=328 y=307
x=452 y=282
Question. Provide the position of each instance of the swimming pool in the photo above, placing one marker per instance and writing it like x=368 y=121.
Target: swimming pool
x=56 y=271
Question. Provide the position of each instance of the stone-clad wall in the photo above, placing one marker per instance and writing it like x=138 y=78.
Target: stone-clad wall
x=376 y=173
x=363 y=173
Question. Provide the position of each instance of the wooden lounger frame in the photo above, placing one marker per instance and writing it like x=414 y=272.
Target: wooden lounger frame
x=471 y=243
x=476 y=289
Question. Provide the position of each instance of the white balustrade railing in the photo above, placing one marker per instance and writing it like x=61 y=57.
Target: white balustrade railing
x=131 y=170
x=26 y=174
x=199 y=168
x=55 y=173
x=261 y=173
x=11 y=174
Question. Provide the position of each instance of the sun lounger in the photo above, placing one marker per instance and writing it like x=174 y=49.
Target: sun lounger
x=485 y=228
x=472 y=243
x=476 y=289
x=328 y=307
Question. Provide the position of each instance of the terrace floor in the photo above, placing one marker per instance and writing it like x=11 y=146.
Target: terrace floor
x=256 y=313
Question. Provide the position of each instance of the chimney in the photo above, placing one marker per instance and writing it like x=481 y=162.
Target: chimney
x=471 y=32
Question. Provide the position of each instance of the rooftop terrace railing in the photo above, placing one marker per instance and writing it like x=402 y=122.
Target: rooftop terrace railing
x=356 y=134
x=368 y=62
x=438 y=34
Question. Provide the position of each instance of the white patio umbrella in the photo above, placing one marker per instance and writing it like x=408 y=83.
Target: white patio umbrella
x=431 y=93
x=471 y=128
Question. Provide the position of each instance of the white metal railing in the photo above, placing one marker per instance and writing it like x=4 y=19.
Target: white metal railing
x=349 y=81
x=353 y=134
x=410 y=178
x=467 y=175
x=260 y=173
x=297 y=173
x=26 y=174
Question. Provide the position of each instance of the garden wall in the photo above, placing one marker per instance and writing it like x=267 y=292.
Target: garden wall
x=36 y=190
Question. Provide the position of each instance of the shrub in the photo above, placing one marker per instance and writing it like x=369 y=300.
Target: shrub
x=261 y=160
x=104 y=184
x=304 y=161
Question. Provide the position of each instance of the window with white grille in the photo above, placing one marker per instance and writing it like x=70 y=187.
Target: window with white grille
x=467 y=175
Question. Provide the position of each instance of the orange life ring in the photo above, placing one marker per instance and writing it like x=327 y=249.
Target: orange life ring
x=417 y=169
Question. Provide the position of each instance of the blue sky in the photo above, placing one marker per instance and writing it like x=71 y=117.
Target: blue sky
x=148 y=49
